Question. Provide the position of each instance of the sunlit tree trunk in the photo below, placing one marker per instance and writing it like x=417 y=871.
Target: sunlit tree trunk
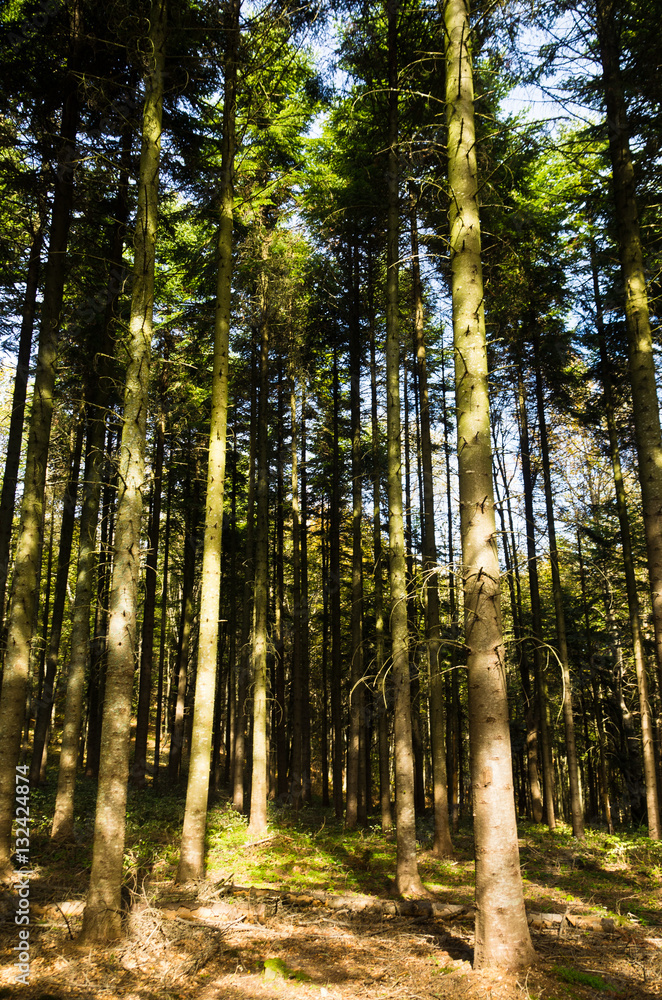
x=25 y=590
x=101 y=918
x=408 y=880
x=637 y=318
x=334 y=603
x=502 y=933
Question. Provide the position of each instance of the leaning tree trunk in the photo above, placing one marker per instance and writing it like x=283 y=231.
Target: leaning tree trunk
x=25 y=589
x=408 y=880
x=192 y=855
x=637 y=319
x=101 y=918
x=502 y=933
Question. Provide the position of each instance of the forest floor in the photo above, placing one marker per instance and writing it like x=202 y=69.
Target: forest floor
x=206 y=941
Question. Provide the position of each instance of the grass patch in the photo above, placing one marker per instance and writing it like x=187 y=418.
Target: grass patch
x=578 y=978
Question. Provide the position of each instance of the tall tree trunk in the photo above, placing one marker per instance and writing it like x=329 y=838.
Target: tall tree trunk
x=101 y=918
x=15 y=434
x=637 y=319
x=378 y=597
x=408 y=880
x=442 y=845
x=45 y=703
x=296 y=768
x=305 y=617
x=577 y=816
x=185 y=629
x=647 y=732
x=518 y=631
x=325 y=659
x=534 y=592
x=25 y=591
x=192 y=851
x=245 y=661
x=149 y=610
x=334 y=602
x=279 y=714
x=502 y=933
x=163 y=638
x=356 y=669
x=260 y=772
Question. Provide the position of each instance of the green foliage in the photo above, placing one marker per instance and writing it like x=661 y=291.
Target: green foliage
x=579 y=978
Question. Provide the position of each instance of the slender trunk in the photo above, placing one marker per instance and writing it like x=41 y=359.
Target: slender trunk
x=15 y=434
x=378 y=597
x=183 y=636
x=45 y=703
x=442 y=845
x=296 y=776
x=325 y=660
x=192 y=851
x=407 y=878
x=334 y=594
x=279 y=714
x=305 y=617
x=260 y=771
x=559 y=609
x=101 y=918
x=149 y=610
x=502 y=933
x=647 y=733
x=246 y=654
x=164 y=633
x=536 y=614
x=356 y=668
x=637 y=319
x=25 y=590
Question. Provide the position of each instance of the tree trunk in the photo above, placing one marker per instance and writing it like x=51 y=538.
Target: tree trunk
x=45 y=703
x=502 y=933
x=192 y=851
x=296 y=768
x=334 y=602
x=149 y=610
x=647 y=733
x=25 y=590
x=305 y=617
x=356 y=668
x=442 y=845
x=15 y=434
x=559 y=609
x=378 y=598
x=408 y=880
x=101 y=919
x=536 y=614
x=164 y=634
x=637 y=319
x=260 y=772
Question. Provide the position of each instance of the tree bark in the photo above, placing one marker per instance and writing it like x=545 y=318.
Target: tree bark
x=502 y=934
x=576 y=811
x=101 y=919
x=646 y=414
x=25 y=590
x=442 y=845
x=192 y=851
x=407 y=879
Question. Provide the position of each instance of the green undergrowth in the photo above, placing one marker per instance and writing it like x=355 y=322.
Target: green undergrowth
x=310 y=850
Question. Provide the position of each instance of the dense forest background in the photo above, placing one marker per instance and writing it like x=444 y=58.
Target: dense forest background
x=240 y=549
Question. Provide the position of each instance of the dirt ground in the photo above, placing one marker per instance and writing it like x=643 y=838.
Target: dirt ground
x=334 y=954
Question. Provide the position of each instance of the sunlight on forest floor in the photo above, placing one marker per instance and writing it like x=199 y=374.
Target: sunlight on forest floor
x=289 y=952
